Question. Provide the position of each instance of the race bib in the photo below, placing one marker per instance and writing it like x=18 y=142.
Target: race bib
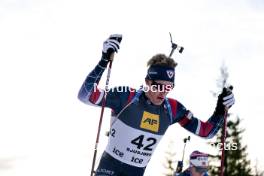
x=130 y=145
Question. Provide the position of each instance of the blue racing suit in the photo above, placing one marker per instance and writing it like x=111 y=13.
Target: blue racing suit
x=137 y=125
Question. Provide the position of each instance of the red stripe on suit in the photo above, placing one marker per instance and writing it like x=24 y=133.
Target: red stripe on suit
x=205 y=129
x=95 y=95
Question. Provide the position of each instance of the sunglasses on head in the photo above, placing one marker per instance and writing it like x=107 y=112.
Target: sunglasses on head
x=161 y=87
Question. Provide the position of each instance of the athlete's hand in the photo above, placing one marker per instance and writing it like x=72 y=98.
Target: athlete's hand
x=179 y=167
x=111 y=45
x=225 y=100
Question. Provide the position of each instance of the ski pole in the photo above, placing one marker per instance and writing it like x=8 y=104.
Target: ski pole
x=223 y=139
x=180 y=163
x=223 y=143
x=102 y=114
x=175 y=46
x=185 y=141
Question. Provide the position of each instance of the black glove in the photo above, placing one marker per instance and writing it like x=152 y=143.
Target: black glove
x=179 y=167
x=225 y=101
x=111 y=45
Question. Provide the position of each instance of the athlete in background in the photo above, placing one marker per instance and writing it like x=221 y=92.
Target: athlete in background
x=198 y=165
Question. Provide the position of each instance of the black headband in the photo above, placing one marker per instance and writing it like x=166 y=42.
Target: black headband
x=157 y=72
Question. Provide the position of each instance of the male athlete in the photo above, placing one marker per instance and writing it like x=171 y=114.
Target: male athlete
x=141 y=117
x=198 y=165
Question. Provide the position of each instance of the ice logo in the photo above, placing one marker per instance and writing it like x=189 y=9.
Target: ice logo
x=170 y=73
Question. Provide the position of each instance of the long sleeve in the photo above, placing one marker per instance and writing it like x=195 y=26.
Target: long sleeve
x=89 y=92
x=196 y=126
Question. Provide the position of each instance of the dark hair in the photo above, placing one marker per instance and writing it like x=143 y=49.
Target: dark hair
x=162 y=60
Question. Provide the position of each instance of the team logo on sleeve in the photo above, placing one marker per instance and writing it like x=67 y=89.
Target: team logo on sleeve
x=150 y=122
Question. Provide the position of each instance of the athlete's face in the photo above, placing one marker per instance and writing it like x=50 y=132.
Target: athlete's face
x=158 y=90
x=198 y=171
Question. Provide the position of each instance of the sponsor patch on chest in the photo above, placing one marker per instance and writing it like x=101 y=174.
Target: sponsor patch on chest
x=150 y=122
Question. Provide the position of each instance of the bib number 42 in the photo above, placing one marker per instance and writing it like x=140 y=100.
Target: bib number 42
x=146 y=144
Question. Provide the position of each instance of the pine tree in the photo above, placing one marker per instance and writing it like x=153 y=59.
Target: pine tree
x=235 y=161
